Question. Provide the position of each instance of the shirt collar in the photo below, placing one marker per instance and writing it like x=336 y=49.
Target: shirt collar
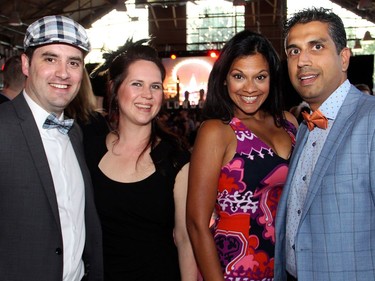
x=331 y=106
x=40 y=114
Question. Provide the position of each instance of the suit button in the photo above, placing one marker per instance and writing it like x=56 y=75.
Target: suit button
x=58 y=251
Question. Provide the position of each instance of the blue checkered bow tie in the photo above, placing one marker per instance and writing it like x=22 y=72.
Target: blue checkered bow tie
x=53 y=122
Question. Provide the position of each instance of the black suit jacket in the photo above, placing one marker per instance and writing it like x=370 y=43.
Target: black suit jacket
x=3 y=98
x=30 y=234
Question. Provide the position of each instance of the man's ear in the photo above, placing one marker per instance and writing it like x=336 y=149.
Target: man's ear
x=25 y=63
x=345 y=58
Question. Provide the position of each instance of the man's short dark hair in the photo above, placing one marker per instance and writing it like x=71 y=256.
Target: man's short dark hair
x=13 y=76
x=336 y=27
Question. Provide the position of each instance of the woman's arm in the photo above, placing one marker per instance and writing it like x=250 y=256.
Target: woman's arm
x=188 y=266
x=207 y=158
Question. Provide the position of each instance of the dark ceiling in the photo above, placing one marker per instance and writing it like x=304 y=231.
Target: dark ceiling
x=83 y=11
x=362 y=8
x=88 y=11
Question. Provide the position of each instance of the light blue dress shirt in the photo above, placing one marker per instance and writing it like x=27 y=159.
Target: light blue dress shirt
x=304 y=170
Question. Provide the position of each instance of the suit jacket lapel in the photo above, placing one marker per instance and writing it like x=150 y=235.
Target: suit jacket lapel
x=75 y=136
x=341 y=124
x=36 y=149
x=75 y=139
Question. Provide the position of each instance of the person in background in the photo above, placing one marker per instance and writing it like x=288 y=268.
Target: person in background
x=185 y=126
x=186 y=101
x=84 y=109
x=298 y=109
x=13 y=79
x=49 y=226
x=325 y=224
x=201 y=98
x=140 y=175
x=364 y=88
x=239 y=163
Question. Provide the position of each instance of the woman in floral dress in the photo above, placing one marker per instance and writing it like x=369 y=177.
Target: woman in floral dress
x=239 y=163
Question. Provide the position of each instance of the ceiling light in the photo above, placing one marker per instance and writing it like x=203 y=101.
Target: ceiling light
x=14 y=19
x=367 y=36
x=357 y=44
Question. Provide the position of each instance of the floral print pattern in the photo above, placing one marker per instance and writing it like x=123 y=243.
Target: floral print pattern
x=249 y=189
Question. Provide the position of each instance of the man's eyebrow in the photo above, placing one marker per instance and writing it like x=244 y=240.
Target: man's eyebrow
x=319 y=40
x=291 y=46
x=77 y=58
x=311 y=42
x=51 y=54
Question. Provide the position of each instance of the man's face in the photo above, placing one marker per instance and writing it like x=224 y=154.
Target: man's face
x=54 y=75
x=315 y=68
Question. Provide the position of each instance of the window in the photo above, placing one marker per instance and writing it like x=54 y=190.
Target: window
x=211 y=23
x=113 y=29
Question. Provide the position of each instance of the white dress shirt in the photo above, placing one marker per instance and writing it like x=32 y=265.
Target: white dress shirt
x=69 y=189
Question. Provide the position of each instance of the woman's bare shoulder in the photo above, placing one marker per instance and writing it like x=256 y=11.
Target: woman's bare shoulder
x=215 y=128
x=291 y=118
x=214 y=125
x=215 y=135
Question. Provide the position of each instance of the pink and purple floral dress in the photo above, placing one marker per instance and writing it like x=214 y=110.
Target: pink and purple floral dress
x=249 y=189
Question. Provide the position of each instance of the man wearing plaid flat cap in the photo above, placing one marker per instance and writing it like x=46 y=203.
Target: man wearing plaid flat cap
x=49 y=228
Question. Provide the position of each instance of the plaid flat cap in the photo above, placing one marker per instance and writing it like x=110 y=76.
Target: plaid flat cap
x=56 y=29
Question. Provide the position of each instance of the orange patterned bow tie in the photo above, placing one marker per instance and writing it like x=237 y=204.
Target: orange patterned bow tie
x=315 y=119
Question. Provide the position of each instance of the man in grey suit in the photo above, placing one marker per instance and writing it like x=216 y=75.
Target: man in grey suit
x=49 y=228
x=325 y=223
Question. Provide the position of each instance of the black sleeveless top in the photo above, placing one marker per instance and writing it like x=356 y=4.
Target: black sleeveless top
x=138 y=218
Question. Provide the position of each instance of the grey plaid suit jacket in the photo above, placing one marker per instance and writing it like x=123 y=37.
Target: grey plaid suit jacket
x=30 y=233
x=335 y=239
